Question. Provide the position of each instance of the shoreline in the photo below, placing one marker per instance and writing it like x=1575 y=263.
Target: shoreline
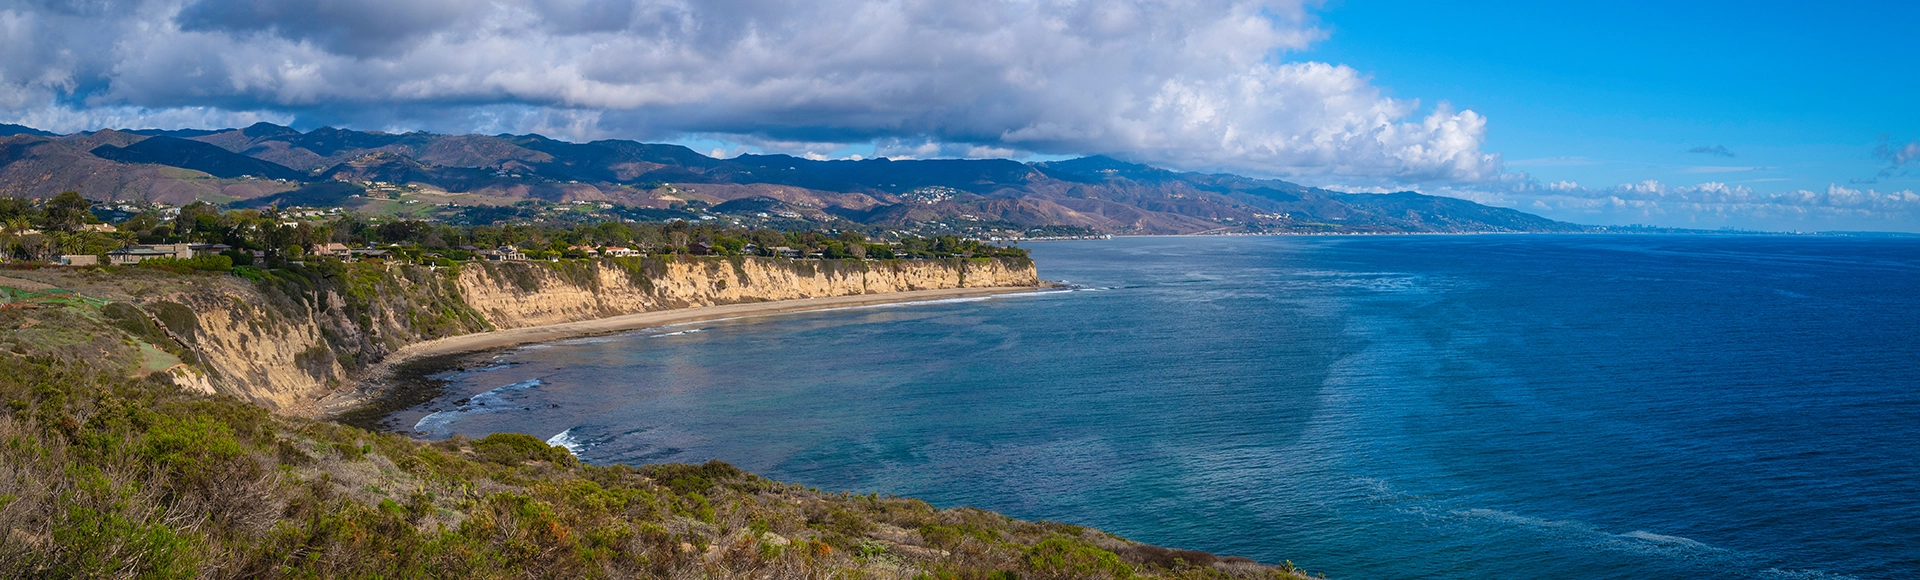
x=375 y=384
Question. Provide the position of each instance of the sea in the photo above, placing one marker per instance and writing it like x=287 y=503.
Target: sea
x=1489 y=406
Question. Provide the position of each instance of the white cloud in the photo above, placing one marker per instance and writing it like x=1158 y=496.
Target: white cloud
x=68 y=120
x=1197 y=84
x=1708 y=204
x=1897 y=156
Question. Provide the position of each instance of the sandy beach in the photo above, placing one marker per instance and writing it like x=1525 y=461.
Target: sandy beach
x=533 y=334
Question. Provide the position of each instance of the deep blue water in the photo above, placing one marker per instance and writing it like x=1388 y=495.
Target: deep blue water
x=1381 y=407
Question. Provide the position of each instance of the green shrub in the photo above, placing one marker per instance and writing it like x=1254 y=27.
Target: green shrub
x=241 y=258
x=684 y=479
x=1063 y=557
x=178 y=318
x=514 y=448
x=99 y=543
x=250 y=273
x=192 y=448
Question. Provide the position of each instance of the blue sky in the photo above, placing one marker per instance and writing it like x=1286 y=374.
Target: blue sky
x=1748 y=115
x=1799 y=93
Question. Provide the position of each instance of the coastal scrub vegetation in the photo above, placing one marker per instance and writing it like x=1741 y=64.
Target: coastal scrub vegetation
x=107 y=470
x=65 y=225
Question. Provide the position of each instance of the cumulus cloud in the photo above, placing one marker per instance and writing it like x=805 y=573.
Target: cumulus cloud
x=1195 y=84
x=1720 y=150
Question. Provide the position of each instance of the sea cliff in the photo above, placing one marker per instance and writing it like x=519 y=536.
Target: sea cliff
x=139 y=444
x=512 y=295
x=291 y=337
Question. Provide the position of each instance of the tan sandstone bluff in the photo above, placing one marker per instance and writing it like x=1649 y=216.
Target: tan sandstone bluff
x=552 y=332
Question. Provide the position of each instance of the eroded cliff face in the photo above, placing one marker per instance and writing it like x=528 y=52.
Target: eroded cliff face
x=514 y=295
x=288 y=341
x=291 y=340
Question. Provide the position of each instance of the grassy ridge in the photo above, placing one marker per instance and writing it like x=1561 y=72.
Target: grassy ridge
x=108 y=473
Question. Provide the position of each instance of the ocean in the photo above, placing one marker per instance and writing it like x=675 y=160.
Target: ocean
x=1499 y=406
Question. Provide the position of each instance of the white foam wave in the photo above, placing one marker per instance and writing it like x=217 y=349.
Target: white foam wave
x=680 y=333
x=487 y=402
x=495 y=396
x=938 y=301
x=434 y=421
x=914 y=303
x=565 y=439
x=1804 y=575
x=1665 y=539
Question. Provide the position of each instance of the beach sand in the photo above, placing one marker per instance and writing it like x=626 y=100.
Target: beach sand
x=371 y=390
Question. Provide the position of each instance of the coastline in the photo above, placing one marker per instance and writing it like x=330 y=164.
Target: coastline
x=372 y=387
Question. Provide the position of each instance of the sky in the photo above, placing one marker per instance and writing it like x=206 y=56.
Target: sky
x=1752 y=115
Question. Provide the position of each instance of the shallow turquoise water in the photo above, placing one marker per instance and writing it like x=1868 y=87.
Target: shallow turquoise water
x=1394 y=407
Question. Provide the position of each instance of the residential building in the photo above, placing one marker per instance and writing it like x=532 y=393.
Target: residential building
x=504 y=253
x=335 y=249
x=134 y=254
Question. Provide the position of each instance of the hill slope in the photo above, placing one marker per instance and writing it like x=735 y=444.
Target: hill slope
x=195 y=155
x=1095 y=193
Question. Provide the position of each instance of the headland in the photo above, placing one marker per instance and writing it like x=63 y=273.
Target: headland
x=171 y=422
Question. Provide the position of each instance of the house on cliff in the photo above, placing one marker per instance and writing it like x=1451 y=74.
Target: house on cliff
x=135 y=254
x=504 y=253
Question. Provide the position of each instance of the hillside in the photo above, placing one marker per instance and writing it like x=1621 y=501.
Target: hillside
x=117 y=465
x=308 y=332
x=1094 y=193
x=195 y=155
x=139 y=442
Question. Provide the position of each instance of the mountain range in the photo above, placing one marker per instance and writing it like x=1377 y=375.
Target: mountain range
x=266 y=162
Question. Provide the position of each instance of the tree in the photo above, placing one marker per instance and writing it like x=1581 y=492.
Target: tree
x=68 y=211
x=12 y=208
x=189 y=219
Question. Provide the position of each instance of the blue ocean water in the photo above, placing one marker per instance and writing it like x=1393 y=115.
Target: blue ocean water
x=1371 y=407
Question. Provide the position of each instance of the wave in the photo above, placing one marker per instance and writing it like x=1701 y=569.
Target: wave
x=432 y=423
x=565 y=439
x=1637 y=540
x=680 y=333
x=492 y=401
x=1665 y=539
x=1804 y=574
x=496 y=396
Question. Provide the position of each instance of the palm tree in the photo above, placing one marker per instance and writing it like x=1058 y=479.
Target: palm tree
x=10 y=232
